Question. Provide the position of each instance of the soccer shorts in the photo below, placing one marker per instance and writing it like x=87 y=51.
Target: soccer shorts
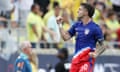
x=82 y=62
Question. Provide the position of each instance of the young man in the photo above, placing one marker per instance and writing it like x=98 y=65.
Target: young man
x=35 y=26
x=22 y=63
x=87 y=35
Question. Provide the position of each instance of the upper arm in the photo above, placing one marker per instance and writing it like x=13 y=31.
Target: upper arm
x=32 y=22
x=98 y=34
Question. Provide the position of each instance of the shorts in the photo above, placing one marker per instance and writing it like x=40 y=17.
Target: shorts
x=82 y=62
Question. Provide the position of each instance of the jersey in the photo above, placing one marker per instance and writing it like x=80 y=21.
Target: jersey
x=86 y=35
x=22 y=64
x=34 y=19
x=86 y=39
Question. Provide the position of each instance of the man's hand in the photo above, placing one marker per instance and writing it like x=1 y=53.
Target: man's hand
x=59 y=20
x=97 y=52
x=93 y=54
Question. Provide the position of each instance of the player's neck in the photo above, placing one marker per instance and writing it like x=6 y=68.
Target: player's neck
x=86 y=20
x=34 y=12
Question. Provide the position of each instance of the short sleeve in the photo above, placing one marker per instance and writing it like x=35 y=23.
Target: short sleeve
x=98 y=33
x=31 y=19
x=71 y=31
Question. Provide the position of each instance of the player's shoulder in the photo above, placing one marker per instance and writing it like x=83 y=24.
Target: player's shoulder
x=21 y=59
x=77 y=23
x=20 y=62
x=94 y=25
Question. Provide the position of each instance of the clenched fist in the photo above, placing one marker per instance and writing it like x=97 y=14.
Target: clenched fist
x=59 y=20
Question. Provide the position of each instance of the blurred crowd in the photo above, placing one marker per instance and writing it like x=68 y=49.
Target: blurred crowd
x=38 y=18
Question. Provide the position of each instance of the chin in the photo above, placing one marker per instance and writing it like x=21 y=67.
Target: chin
x=79 y=18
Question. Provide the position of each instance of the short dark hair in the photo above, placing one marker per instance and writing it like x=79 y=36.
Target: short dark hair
x=55 y=4
x=63 y=51
x=89 y=8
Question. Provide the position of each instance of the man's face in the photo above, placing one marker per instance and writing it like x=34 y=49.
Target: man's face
x=37 y=9
x=82 y=12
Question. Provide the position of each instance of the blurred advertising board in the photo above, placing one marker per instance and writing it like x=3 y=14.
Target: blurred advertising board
x=47 y=63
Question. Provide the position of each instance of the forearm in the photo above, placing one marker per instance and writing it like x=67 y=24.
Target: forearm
x=64 y=34
x=48 y=30
x=100 y=49
x=43 y=38
x=36 y=33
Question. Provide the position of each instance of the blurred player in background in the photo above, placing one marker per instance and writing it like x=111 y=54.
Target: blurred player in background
x=63 y=65
x=87 y=35
x=22 y=63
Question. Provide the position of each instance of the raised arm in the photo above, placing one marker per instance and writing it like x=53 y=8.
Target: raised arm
x=65 y=34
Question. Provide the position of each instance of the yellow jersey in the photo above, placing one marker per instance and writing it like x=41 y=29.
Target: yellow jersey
x=34 y=19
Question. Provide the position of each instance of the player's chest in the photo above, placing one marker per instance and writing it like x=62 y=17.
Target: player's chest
x=83 y=32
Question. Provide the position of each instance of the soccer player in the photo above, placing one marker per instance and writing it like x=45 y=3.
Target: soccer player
x=87 y=33
x=22 y=63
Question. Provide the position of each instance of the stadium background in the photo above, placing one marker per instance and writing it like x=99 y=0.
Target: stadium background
x=13 y=30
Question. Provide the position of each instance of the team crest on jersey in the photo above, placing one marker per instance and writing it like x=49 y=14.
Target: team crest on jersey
x=87 y=31
x=76 y=29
